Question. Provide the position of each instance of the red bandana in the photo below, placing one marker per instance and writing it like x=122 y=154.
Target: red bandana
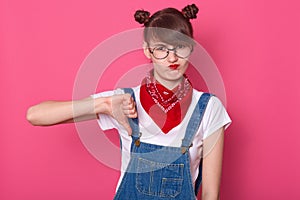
x=166 y=107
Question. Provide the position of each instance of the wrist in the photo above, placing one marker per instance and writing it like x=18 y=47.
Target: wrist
x=103 y=105
x=210 y=196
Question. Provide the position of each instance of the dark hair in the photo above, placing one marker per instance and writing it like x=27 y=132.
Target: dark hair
x=168 y=25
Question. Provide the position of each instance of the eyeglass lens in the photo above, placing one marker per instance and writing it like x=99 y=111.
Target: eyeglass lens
x=161 y=52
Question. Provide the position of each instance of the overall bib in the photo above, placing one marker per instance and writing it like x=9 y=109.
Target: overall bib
x=158 y=172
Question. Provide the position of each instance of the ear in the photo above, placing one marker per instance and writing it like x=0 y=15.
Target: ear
x=146 y=50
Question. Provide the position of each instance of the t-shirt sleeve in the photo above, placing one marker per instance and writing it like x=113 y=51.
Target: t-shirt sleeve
x=106 y=122
x=215 y=117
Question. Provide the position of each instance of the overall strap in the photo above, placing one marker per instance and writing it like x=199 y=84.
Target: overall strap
x=195 y=121
x=133 y=122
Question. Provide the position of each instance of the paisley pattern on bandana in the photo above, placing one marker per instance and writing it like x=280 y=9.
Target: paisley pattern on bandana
x=166 y=107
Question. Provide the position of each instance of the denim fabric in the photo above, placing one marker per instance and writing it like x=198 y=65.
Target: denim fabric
x=160 y=172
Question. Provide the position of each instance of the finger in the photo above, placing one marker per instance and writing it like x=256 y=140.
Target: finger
x=133 y=111
x=134 y=115
x=129 y=106
x=130 y=112
x=127 y=98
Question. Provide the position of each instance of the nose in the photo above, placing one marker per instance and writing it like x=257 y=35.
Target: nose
x=172 y=57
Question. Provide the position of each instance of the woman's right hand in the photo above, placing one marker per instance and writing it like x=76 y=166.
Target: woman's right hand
x=122 y=107
x=49 y=113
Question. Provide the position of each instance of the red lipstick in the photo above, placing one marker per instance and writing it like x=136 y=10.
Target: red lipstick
x=173 y=67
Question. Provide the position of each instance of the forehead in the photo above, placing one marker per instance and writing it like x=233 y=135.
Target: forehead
x=154 y=43
x=167 y=36
x=160 y=43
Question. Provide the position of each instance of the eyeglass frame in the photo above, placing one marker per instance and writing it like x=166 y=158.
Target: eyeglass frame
x=168 y=51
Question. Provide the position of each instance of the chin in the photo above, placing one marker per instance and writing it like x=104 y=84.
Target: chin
x=177 y=72
x=175 y=77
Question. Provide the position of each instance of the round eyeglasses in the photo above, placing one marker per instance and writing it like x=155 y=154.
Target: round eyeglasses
x=161 y=52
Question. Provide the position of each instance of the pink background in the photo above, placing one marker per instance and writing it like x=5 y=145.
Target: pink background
x=254 y=43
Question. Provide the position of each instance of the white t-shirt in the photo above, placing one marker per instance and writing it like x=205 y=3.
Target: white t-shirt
x=215 y=117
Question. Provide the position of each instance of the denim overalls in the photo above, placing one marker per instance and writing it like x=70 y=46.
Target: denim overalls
x=161 y=172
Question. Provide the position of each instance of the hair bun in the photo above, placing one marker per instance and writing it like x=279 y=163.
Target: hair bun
x=190 y=11
x=142 y=16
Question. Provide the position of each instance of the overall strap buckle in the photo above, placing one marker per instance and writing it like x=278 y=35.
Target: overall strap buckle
x=185 y=149
x=137 y=141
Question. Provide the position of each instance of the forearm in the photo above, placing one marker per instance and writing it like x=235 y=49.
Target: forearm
x=56 y=112
x=212 y=165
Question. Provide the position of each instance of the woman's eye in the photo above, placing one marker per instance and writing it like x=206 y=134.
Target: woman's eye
x=180 y=46
x=161 y=48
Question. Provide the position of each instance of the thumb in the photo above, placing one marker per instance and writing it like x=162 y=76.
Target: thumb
x=127 y=127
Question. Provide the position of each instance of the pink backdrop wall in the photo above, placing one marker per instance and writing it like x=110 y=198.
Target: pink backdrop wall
x=254 y=43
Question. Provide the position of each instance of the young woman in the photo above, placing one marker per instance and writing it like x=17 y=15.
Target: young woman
x=171 y=134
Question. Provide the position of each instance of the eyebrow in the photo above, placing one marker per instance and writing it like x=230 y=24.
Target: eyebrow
x=161 y=44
